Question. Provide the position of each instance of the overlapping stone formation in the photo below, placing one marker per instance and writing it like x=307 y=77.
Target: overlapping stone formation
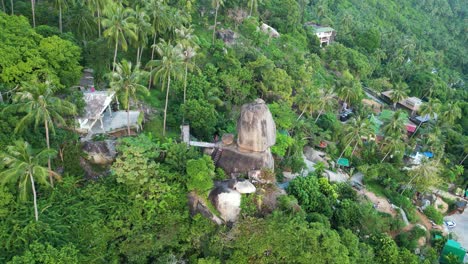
x=256 y=133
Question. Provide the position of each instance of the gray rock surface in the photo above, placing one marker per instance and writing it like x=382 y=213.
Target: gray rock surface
x=244 y=186
x=100 y=152
x=256 y=130
x=227 y=201
x=234 y=161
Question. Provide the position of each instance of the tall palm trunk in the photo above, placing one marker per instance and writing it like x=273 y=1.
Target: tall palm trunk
x=99 y=21
x=141 y=53
x=385 y=156
x=115 y=54
x=215 y=22
x=420 y=123
x=354 y=148
x=36 y=214
x=185 y=81
x=128 y=119
x=12 y=8
x=152 y=58
x=51 y=180
x=33 y=13
x=60 y=18
x=463 y=160
x=302 y=113
x=3 y=5
x=167 y=100
x=320 y=113
x=409 y=183
x=251 y=7
x=138 y=55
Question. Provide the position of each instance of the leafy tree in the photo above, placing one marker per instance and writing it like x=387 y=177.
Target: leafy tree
x=200 y=174
x=49 y=58
x=120 y=26
x=202 y=117
x=39 y=104
x=136 y=166
x=47 y=254
x=22 y=166
x=310 y=195
x=168 y=67
x=127 y=83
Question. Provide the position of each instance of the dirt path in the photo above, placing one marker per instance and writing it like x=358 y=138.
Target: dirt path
x=382 y=204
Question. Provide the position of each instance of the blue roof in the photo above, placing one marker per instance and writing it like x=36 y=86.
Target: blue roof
x=428 y=154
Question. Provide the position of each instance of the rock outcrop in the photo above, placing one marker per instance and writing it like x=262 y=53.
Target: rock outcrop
x=226 y=197
x=234 y=161
x=100 y=152
x=256 y=130
x=256 y=133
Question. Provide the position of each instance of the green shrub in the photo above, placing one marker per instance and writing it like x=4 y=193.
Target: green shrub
x=434 y=215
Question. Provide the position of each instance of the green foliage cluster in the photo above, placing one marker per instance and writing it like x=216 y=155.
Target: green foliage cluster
x=432 y=213
x=138 y=214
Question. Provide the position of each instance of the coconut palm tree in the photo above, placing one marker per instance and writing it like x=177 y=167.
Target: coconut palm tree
x=33 y=3
x=395 y=127
x=119 y=24
x=166 y=68
x=305 y=100
x=12 y=7
x=61 y=5
x=392 y=145
x=326 y=101
x=37 y=100
x=400 y=92
x=347 y=88
x=126 y=82
x=424 y=175
x=188 y=42
x=97 y=6
x=81 y=21
x=160 y=20
x=451 y=112
x=216 y=4
x=143 y=29
x=428 y=110
x=355 y=132
x=24 y=167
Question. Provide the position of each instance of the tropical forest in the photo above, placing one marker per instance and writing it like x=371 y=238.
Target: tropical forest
x=228 y=131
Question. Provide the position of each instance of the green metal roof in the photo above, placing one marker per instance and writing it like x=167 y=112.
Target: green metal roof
x=454 y=248
x=343 y=162
x=323 y=29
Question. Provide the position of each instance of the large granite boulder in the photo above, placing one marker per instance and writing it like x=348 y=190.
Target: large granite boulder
x=256 y=130
x=227 y=201
x=100 y=152
x=232 y=160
